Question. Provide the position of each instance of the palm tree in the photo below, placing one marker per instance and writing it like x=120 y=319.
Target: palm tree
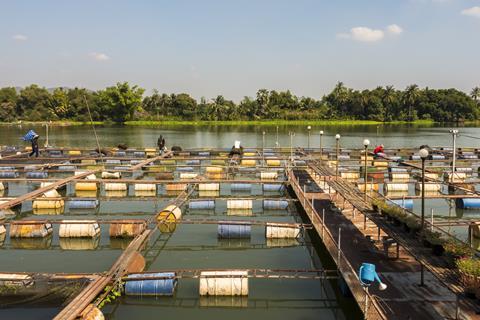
x=410 y=96
x=475 y=94
x=388 y=98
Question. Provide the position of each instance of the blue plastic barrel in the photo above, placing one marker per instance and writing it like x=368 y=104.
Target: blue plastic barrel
x=193 y=162
x=273 y=187
x=7 y=168
x=249 y=150
x=155 y=287
x=268 y=154
x=113 y=161
x=343 y=157
x=397 y=169
x=438 y=157
x=120 y=168
x=185 y=169
x=404 y=203
x=233 y=231
x=55 y=152
x=83 y=204
x=139 y=154
x=395 y=158
x=36 y=175
x=134 y=162
x=241 y=186
x=468 y=203
x=120 y=153
x=204 y=153
x=8 y=174
x=201 y=204
x=67 y=168
x=415 y=157
x=275 y=204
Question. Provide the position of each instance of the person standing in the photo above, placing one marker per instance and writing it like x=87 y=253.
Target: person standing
x=32 y=136
x=34 y=146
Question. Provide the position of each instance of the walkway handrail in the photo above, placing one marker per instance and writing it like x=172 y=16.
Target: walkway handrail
x=344 y=266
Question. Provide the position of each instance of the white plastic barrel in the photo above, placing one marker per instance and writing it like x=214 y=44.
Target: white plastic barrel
x=115 y=186
x=281 y=230
x=79 y=229
x=170 y=213
x=224 y=283
x=268 y=175
x=239 y=204
x=400 y=176
x=350 y=175
x=429 y=186
x=208 y=186
x=111 y=175
x=188 y=175
x=396 y=187
x=145 y=187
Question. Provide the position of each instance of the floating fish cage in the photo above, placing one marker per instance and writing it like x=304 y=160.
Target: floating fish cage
x=172 y=210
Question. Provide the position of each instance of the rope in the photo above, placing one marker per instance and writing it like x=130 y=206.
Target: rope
x=94 y=131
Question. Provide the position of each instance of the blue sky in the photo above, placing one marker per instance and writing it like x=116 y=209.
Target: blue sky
x=233 y=48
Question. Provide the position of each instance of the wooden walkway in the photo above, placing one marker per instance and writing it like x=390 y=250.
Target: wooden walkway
x=40 y=191
x=357 y=216
x=127 y=262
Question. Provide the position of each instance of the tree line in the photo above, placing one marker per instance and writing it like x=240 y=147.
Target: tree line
x=125 y=102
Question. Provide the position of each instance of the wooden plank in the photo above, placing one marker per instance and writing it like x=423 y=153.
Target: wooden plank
x=150 y=160
x=127 y=260
x=40 y=191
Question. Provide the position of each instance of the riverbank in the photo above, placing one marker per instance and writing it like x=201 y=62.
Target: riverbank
x=224 y=123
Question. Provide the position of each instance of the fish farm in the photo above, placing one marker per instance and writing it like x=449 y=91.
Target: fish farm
x=269 y=231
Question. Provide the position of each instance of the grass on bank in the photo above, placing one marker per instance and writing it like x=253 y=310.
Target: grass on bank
x=223 y=123
x=271 y=122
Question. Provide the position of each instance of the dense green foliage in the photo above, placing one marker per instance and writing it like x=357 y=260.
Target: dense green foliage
x=123 y=102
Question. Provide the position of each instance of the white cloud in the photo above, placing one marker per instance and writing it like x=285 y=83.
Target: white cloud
x=363 y=34
x=394 y=29
x=99 y=56
x=19 y=37
x=473 y=12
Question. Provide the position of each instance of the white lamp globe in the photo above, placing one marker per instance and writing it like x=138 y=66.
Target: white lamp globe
x=423 y=153
x=366 y=142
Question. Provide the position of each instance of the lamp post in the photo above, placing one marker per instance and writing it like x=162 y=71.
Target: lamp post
x=454 y=133
x=366 y=143
x=291 y=145
x=321 y=145
x=423 y=155
x=263 y=145
x=276 y=141
x=337 y=138
x=308 y=143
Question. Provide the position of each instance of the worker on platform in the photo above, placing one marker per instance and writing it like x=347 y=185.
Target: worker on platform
x=161 y=144
x=378 y=151
x=32 y=136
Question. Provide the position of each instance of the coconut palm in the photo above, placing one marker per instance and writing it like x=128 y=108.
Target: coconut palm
x=410 y=96
x=475 y=94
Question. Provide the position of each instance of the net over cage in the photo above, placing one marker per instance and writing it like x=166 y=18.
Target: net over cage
x=30 y=135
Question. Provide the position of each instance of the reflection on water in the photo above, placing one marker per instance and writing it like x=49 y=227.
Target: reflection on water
x=189 y=136
x=79 y=243
x=31 y=243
